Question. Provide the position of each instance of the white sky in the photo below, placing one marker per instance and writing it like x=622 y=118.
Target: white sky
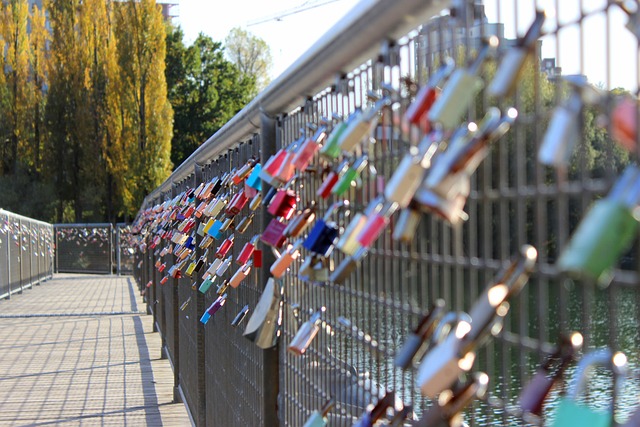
x=293 y=35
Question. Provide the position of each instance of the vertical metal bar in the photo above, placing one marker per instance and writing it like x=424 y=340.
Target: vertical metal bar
x=270 y=361
x=20 y=254
x=118 y=250
x=9 y=238
x=201 y=415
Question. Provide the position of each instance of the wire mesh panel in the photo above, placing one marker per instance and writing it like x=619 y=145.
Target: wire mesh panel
x=125 y=253
x=26 y=252
x=84 y=248
x=482 y=166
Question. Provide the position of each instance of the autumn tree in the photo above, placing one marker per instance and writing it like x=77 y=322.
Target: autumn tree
x=39 y=59
x=251 y=55
x=205 y=89
x=145 y=112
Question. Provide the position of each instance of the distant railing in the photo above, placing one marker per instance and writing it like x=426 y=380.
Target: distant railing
x=26 y=253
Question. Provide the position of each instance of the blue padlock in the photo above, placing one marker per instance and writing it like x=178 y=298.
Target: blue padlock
x=324 y=234
x=214 y=231
x=254 y=180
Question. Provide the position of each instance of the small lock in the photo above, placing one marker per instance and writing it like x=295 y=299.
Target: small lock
x=253 y=180
x=240 y=316
x=189 y=271
x=535 y=392
x=247 y=250
x=331 y=148
x=376 y=223
x=244 y=224
x=237 y=202
x=318 y=418
x=305 y=335
x=563 y=133
x=185 y=304
x=324 y=233
x=256 y=201
x=213 y=267
x=215 y=231
x=222 y=288
x=216 y=207
x=244 y=171
x=263 y=327
x=407 y=225
x=309 y=148
x=213 y=309
x=331 y=179
x=422 y=332
x=271 y=167
x=223 y=267
x=409 y=174
x=369 y=418
x=240 y=275
x=461 y=89
x=347 y=266
x=447 y=411
x=205 y=285
x=284 y=202
x=284 y=261
x=361 y=125
x=316 y=269
x=224 y=247
x=606 y=232
x=571 y=413
x=273 y=234
x=300 y=221
x=206 y=242
x=348 y=243
x=511 y=66
x=416 y=114
x=349 y=176
x=225 y=226
x=624 y=122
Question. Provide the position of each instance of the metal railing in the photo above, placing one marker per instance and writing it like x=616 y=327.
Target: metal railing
x=513 y=200
x=26 y=253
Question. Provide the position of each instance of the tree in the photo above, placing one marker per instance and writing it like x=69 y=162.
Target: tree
x=39 y=58
x=205 y=91
x=145 y=113
x=251 y=55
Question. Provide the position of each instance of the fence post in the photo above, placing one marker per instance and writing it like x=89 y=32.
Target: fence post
x=20 y=254
x=271 y=362
x=201 y=415
x=118 y=249
x=9 y=238
x=175 y=353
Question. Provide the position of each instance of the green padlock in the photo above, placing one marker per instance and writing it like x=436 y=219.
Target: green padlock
x=571 y=413
x=351 y=174
x=606 y=232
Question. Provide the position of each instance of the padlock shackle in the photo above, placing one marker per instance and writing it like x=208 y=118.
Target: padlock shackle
x=475 y=388
x=447 y=325
x=534 y=32
x=381 y=406
x=489 y=45
x=334 y=207
x=603 y=357
x=428 y=323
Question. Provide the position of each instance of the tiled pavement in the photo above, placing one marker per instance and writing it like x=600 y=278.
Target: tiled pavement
x=78 y=350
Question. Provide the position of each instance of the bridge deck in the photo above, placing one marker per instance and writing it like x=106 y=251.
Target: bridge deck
x=78 y=350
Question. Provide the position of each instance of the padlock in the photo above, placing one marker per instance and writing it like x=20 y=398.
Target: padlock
x=240 y=316
x=361 y=125
x=205 y=285
x=571 y=413
x=331 y=149
x=422 y=332
x=213 y=308
x=316 y=269
x=185 y=304
x=535 y=392
x=271 y=167
x=318 y=418
x=244 y=223
x=212 y=268
x=511 y=66
x=461 y=89
x=224 y=247
x=206 y=242
x=225 y=225
x=624 y=121
x=216 y=207
x=305 y=335
x=407 y=224
x=286 y=258
x=370 y=416
x=237 y=202
x=331 y=179
x=300 y=221
x=240 y=275
x=222 y=288
x=256 y=201
x=408 y=176
x=215 y=230
x=273 y=234
x=456 y=354
x=190 y=269
x=263 y=327
x=416 y=113
x=350 y=175
x=324 y=233
x=309 y=147
x=284 y=203
x=223 y=267
x=347 y=266
x=606 y=232
x=247 y=250
x=348 y=242
x=401 y=416
x=201 y=262
x=376 y=223
x=563 y=132
x=244 y=171
x=447 y=411
x=254 y=180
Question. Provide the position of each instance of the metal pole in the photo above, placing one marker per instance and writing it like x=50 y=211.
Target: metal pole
x=9 y=238
x=118 y=249
x=20 y=253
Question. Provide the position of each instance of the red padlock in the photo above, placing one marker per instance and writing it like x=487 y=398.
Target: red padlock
x=238 y=201
x=331 y=180
x=224 y=247
x=247 y=250
x=273 y=235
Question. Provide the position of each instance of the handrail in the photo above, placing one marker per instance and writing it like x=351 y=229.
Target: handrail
x=18 y=216
x=349 y=43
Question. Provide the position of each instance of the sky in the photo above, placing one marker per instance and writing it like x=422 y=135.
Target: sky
x=291 y=36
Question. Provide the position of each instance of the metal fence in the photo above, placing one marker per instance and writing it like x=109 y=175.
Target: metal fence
x=94 y=248
x=510 y=198
x=26 y=253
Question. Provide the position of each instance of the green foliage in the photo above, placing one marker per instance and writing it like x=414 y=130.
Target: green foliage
x=251 y=55
x=205 y=90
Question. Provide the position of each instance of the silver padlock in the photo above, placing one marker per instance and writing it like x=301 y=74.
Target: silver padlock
x=360 y=127
x=461 y=89
x=513 y=62
x=408 y=176
x=456 y=354
x=562 y=135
